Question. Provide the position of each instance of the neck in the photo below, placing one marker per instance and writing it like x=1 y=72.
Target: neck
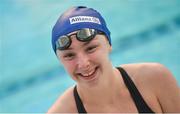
x=106 y=91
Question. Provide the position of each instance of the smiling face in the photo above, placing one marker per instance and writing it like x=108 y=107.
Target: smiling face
x=86 y=62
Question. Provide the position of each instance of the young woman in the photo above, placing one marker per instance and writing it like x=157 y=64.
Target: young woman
x=81 y=41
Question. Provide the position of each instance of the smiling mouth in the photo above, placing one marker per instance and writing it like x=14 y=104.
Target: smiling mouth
x=88 y=75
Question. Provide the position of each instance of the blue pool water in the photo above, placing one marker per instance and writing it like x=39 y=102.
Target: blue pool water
x=32 y=78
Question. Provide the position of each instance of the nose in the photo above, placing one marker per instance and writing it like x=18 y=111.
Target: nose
x=83 y=62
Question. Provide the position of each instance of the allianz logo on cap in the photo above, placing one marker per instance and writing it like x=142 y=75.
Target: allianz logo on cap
x=79 y=19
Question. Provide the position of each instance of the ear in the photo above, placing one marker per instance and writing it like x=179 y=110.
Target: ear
x=58 y=54
x=110 y=48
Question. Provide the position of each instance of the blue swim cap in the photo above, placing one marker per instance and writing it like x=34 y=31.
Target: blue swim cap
x=77 y=18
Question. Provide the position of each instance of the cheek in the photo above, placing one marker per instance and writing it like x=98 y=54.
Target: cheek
x=69 y=66
x=101 y=56
x=104 y=52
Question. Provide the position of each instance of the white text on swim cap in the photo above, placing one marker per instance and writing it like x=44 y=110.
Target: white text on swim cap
x=80 y=19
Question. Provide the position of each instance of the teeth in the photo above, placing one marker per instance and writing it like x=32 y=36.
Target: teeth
x=88 y=74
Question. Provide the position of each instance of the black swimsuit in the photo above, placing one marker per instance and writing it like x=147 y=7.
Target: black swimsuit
x=141 y=105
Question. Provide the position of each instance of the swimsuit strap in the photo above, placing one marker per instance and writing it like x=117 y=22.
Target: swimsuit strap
x=79 y=103
x=135 y=94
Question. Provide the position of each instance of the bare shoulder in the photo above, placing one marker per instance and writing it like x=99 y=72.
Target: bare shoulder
x=152 y=74
x=64 y=104
x=152 y=71
x=159 y=80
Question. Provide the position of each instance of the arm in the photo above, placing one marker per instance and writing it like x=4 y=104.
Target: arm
x=58 y=107
x=167 y=90
x=64 y=104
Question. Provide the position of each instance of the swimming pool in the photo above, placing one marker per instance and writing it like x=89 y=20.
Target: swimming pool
x=32 y=77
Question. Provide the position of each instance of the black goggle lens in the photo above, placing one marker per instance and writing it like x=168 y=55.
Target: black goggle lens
x=86 y=34
x=63 y=42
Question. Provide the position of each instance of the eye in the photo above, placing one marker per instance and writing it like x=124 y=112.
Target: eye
x=69 y=56
x=91 y=49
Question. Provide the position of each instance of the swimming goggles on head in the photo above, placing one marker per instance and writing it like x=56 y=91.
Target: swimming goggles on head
x=83 y=35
